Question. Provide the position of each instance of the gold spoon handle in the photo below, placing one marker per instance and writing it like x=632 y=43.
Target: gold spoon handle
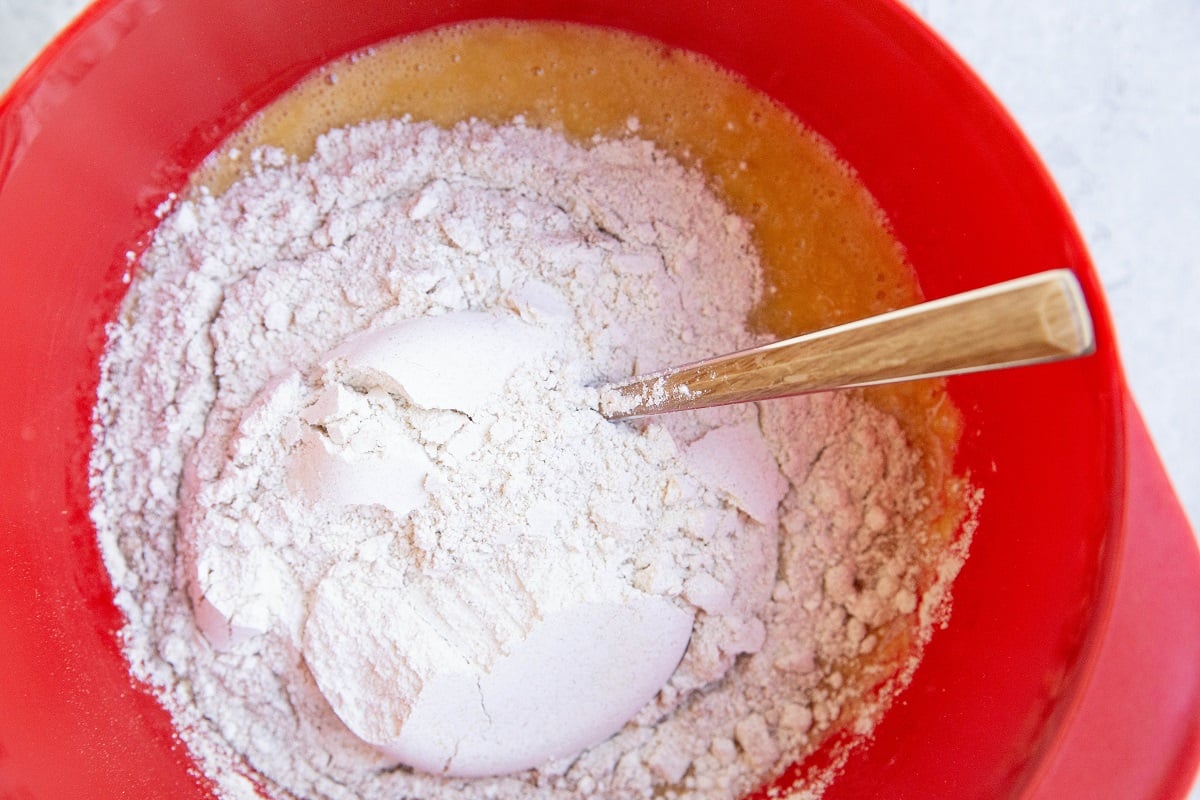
x=1029 y=320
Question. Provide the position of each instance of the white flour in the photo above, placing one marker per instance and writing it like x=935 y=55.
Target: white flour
x=311 y=538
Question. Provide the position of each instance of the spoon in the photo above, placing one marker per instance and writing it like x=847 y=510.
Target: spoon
x=1031 y=320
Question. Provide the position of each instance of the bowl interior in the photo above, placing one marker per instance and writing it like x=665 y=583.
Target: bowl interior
x=118 y=111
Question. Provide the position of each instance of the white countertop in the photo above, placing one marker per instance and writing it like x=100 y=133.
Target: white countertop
x=1109 y=94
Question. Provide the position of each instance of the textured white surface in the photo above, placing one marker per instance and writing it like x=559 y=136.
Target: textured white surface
x=1109 y=94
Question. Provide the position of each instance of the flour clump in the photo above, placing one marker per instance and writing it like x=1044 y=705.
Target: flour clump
x=373 y=538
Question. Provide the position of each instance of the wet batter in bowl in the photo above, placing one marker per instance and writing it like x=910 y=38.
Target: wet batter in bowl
x=324 y=557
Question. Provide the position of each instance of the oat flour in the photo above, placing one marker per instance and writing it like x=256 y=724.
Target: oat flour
x=306 y=531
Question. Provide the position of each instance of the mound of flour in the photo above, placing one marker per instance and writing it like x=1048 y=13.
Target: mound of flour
x=277 y=508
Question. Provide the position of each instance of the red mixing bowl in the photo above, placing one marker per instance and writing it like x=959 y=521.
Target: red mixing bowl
x=1037 y=688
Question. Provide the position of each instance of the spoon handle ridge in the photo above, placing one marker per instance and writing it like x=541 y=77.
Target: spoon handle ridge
x=1029 y=320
